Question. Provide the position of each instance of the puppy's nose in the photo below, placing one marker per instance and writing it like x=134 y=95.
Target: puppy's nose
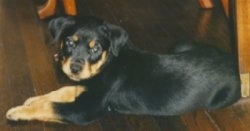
x=75 y=68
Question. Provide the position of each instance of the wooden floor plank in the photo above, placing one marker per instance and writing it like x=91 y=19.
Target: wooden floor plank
x=199 y=121
x=242 y=111
x=17 y=85
x=6 y=92
x=228 y=120
x=170 y=123
x=42 y=71
x=129 y=123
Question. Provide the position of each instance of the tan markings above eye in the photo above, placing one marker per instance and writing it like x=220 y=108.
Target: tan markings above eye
x=92 y=44
x=75 y=38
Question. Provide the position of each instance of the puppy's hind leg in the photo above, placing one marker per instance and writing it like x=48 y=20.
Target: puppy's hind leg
x=224 y=97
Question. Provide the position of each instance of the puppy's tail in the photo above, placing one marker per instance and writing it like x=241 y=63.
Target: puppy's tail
x=180 y=47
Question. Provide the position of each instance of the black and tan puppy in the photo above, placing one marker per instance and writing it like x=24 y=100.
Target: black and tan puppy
x=114 y=77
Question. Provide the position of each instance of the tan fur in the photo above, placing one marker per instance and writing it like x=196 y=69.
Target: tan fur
x=41 y=107
x=75 y=38
x=41 y=112
x=88 y=71
x=61 y=45
x=62 y=95
x=95 y=68
x=92 y=44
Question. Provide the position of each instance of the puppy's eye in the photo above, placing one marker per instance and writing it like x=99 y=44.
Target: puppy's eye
x=70 y=42
x=69 y=45
x=95 y=49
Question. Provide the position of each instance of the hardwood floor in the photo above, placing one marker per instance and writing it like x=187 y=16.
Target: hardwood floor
x=27 y=67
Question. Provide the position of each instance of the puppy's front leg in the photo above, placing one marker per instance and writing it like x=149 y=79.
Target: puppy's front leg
x=41 y=108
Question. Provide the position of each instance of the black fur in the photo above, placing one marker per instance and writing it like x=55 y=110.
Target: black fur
x=191 y=77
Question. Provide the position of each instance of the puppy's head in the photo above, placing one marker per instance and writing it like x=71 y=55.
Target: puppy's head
x=86 y=47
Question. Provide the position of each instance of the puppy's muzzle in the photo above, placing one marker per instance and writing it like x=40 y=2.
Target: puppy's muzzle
x=75 y=68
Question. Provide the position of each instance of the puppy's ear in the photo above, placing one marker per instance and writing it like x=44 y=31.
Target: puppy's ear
x=117 y=35
x=58 y=25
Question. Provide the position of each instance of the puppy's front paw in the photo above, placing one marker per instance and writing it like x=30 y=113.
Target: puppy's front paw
x=33 y=100
x=41 y=112
x=17 y=113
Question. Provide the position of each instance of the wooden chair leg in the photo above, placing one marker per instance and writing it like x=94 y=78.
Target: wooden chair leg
x=203 y=23
x=242 y=33
x=70 y=7
x=225 y=5
x=47 y=9
x=206 y=4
